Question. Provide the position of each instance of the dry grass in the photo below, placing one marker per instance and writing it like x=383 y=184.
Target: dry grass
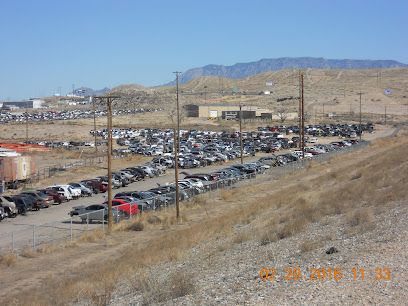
x=310 y=245
x=360 y=216
x=50 y=248
x=226 y=194
x=8 y=259
x=92 y=236
x=241 y=236
x=158 y=290
x=152 y=219
x=29 y=253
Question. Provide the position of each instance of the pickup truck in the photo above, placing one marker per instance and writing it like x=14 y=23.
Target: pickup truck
x=96 y=212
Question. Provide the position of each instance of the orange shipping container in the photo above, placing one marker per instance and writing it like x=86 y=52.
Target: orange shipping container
x=16 y=168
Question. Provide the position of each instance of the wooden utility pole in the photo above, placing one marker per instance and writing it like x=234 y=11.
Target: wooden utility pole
x=177 y=145
x=240 y=134
x=109 y=100
x=94 y=122
x=302 y=117
x=300 y=110
x=385 y=115
x=109 y=115
x=360 y=130
x=26 y=122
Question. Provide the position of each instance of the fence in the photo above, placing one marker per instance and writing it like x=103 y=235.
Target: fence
x=47 y=172
x=73 y=227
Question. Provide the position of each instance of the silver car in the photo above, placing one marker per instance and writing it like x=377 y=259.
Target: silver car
x=96 y=212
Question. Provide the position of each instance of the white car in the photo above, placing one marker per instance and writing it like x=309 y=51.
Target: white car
x=299 y=154
x=75 y=192
x=65 y=190
x=193 y=182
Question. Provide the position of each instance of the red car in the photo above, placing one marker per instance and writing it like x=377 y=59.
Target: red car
x=57 y=197
x=126 y=207
x=95 y=185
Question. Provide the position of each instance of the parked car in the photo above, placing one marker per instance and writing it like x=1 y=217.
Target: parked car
x=23 y=204
x=57 y=197
x=9 y=206
x=95 y=212
x=128 y=208
x=96 y=185
x=65 y=190
x=3 y=215
x=42 y=200
x=85 y=191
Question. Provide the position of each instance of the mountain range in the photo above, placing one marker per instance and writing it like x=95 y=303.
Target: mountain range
x=242 y=70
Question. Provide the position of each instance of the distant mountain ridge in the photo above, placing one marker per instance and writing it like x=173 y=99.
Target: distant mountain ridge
x=242 y=70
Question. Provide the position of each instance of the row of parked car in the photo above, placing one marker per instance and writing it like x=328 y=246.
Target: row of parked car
x=126 y=204
x=6 y=116
x=200 y=148
x=324 y=130
x=34 y=200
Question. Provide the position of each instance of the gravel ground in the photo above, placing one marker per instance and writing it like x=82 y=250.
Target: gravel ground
x=225 y=272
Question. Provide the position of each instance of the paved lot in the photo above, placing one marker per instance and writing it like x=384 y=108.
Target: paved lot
x=57 y=213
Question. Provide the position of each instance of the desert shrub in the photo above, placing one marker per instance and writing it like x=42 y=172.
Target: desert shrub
x=28 y=253
x=156 y=290
x=360 y=216
x=137 y=226
x=153 y=220
x=8 y=259
x=309 y=245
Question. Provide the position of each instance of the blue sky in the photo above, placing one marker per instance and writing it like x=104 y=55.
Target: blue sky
x=48 y=44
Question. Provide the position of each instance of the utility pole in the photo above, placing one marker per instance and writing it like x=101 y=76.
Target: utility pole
x=177 y=145
x=385 y=115
x=109 y=115
x=360 y=94
x=240 y=133
x=302 y=117
x=94 y=122
x=26 y=122
x=300 y=111
x=109 y=100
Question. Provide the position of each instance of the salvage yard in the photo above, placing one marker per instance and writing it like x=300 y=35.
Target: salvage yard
x=345 y=202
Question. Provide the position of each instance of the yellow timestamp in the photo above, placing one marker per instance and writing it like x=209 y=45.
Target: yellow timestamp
x=295 y=274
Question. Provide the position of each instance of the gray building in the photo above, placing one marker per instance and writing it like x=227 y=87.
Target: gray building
x=32 y=103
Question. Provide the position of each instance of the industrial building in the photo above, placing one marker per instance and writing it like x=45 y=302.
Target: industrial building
x=225 y=111
x=32 y=103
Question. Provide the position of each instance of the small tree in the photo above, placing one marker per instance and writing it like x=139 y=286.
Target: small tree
x=173 y=114
x=282 y=114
